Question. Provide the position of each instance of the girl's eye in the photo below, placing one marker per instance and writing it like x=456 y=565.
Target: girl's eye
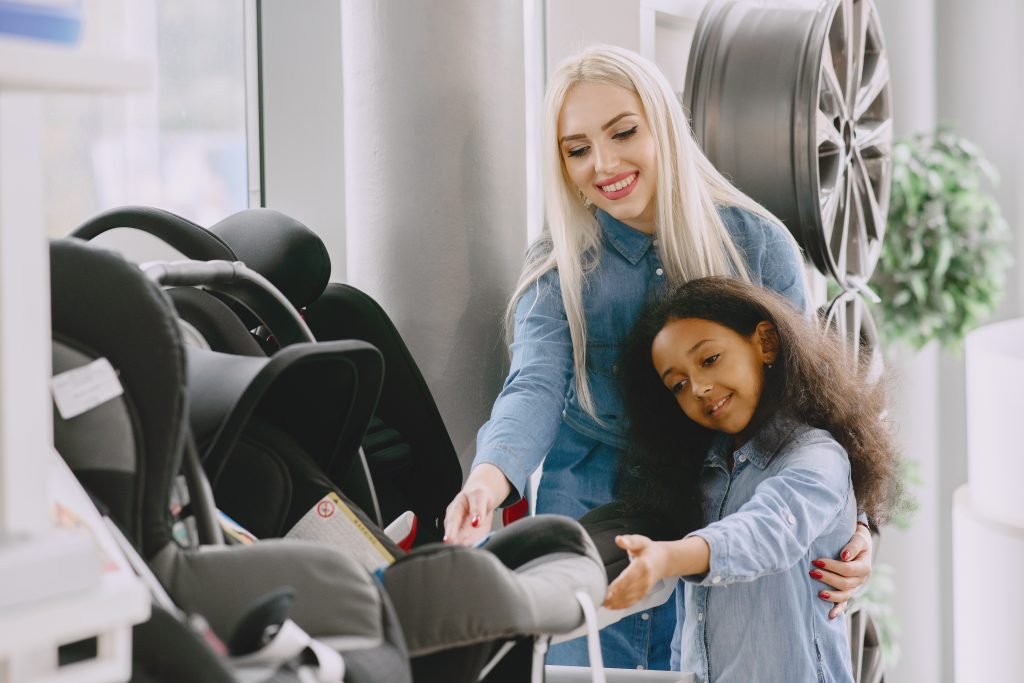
x=679 y=386
x=710 y=360
x=626 y=133
x=577 y=151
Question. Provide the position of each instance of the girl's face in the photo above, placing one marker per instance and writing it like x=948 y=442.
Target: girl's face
x=608 y=151
x=715 y=373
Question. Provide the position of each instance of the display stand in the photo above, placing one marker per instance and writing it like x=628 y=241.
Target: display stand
x=54 y=591
x=988 y=511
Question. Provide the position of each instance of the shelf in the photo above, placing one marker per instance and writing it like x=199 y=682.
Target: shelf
x=116 y=602
x=28 y=65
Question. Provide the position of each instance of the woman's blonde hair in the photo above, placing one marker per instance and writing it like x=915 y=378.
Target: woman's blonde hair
x=692 y=239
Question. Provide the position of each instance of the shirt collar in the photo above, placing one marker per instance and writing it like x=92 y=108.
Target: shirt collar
x=632 y=244
x=761 y=448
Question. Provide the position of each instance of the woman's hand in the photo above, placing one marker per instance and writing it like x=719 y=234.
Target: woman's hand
x=845 y=575
x=469 y=516
x=647 y=565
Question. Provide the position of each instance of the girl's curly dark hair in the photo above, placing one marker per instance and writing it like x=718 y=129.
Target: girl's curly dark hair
x=813 y=378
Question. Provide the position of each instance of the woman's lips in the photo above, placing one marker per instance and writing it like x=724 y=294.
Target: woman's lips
x=624 y=184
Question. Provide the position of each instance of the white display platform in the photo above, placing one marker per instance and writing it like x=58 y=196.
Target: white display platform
x=988 y=606
x=988 y=512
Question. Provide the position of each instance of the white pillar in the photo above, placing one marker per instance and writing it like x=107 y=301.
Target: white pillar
x=303 y=150
x=435 y=121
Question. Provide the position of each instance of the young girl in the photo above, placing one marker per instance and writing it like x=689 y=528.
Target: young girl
x=752 y=427
x=632 y=206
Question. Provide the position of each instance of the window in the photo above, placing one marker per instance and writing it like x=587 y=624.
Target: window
x=180 y=146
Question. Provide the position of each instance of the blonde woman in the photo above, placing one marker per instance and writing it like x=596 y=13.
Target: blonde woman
x=632 y=207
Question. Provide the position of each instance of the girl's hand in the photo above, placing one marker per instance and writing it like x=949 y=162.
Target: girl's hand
x=469 y=516
x=844 y=576
x=647 y=563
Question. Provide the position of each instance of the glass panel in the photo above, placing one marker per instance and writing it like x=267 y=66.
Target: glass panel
x=179 y=147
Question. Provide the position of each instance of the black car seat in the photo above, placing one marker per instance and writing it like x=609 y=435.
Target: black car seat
x=407 y=444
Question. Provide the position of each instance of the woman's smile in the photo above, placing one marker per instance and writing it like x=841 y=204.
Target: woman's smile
x=620 y=186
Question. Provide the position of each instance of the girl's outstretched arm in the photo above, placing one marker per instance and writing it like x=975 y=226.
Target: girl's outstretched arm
x=650 y=561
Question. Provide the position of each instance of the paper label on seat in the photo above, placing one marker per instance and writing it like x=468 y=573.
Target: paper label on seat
x=82 y=389
x=332 y=521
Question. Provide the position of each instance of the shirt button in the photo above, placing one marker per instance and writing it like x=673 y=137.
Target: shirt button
x=716 y=579
x=790 y=518
x=655 y=241
x=659 y=271
x=700 y=616
x=742 y=458
x=645 y=616
x=640 y=667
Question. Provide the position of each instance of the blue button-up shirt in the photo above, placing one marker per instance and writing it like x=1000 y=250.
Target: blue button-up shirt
x=537 y=413
x=755 y=615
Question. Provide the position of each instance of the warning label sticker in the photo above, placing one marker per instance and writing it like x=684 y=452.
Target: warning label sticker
x=332 y=521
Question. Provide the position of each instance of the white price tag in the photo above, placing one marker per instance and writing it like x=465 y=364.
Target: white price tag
x=82 y=389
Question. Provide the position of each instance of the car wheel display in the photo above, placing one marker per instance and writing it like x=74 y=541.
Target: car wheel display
x=793 y=104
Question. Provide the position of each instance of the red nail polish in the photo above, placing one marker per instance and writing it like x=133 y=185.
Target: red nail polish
x=819 y=563
x=845 y=555
x=815 y=574
x=475 y=521
x=825 y=595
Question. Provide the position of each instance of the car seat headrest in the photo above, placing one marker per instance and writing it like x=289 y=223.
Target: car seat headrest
x=281 y=249
x=92 y=292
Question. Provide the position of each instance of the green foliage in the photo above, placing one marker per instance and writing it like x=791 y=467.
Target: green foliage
x=945 y=253
x=910 y=474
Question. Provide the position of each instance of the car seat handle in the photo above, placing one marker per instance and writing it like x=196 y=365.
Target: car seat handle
x=239 y=282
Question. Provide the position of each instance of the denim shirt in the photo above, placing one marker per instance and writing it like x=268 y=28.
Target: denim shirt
x=755 y=614
x=538 y=401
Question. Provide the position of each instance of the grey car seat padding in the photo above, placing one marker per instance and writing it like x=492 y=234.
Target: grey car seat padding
x=460 y=595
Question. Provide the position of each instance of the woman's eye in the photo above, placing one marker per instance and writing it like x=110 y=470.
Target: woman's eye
x=625 y=134
x=577 y=151
x=710 y=360
x=679 y=386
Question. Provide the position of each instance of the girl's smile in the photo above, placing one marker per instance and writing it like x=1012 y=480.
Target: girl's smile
x=716 y=408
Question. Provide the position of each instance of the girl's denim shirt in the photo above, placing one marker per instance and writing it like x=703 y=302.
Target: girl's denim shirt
x=755 y=615
x=539 y=393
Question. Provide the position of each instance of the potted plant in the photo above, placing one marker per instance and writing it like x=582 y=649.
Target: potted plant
x=945 y=253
